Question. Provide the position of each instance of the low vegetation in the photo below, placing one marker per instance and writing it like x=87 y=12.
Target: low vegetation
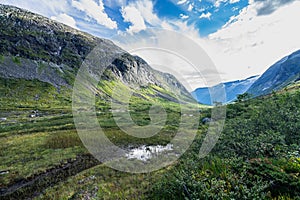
x=257 y=156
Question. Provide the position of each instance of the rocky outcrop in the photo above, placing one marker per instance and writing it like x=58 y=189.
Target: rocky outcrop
x=35 y=37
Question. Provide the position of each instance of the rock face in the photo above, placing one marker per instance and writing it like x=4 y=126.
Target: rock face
x=279 y=75
x=35 y=47
x=34 y=37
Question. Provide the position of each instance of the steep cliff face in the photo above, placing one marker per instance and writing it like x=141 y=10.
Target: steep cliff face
x=35 y=47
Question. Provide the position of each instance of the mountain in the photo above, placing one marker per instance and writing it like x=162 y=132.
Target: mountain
x=232 y=89
x=278 y=76
x=35 y=48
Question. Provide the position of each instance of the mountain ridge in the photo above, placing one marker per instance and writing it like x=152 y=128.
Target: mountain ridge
x=279 y=75
x=35 y=47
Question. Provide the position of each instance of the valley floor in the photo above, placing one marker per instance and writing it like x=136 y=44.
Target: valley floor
x=257 y=156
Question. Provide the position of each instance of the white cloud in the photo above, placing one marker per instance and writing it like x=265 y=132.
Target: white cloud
x=205 y=15
x=96 y=11
x=158 y=48
x=218 y=3
x=234 y=1
x=138 y=14
x=146 y=9
x=182 y=16
x=180 y=2
x=191 y=7
x=115 y=3
x=42 y=7
x=249 y=44
x=142 y=39
x=66 y=19
x=133 y=15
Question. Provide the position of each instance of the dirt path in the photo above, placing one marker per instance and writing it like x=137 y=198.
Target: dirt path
x=33 y=186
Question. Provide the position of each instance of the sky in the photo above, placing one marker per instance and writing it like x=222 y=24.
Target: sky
x=242 y=37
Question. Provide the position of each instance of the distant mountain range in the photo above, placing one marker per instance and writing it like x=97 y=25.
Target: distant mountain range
x=232 y=89
x=281 y=74
x=278 y=76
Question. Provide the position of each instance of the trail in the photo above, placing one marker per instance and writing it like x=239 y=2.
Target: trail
x=35 y=185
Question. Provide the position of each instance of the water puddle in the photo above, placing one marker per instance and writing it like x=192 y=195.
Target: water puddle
x=145 y=153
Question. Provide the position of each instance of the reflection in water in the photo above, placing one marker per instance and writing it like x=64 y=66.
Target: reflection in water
x=145 y=153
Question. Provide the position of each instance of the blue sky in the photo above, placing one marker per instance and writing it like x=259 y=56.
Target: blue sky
x=207 y=16
x=242 y=37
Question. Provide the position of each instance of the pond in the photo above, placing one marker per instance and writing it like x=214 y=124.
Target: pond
x=145 y=153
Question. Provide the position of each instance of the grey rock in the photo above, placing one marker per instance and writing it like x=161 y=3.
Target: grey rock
x=206 y=120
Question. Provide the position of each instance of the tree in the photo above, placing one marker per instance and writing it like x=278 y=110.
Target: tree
x=243 y=97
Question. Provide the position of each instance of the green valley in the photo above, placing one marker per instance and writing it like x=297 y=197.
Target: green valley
x=42 y=156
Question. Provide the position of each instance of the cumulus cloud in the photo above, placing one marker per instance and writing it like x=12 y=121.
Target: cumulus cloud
x=138 y=14
x=205 y=15
x=133 y=15
x=191 y=7
x=66 y=19
x=146 y=9
x=182 y=16
x=180 y=2
x=248 y=44
x=217 y=3
x=234 y=1
x=142 y=39
x=95 y=11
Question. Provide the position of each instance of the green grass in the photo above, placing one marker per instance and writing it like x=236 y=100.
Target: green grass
x=26 y=155
x=17 y=94
x=16 y=60
x=1 y=58
x=102 y=182
x=257 y=156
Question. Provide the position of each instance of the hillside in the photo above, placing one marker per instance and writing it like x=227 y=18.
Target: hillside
x=33 y=47
x=257 y=156
x=232 y=90
x=278 y=76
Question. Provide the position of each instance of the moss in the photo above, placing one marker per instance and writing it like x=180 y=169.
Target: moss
x=1 y=58
x=16 y=60
x=20 y=93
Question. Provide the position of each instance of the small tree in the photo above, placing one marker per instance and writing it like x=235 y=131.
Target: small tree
x=243 y=97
